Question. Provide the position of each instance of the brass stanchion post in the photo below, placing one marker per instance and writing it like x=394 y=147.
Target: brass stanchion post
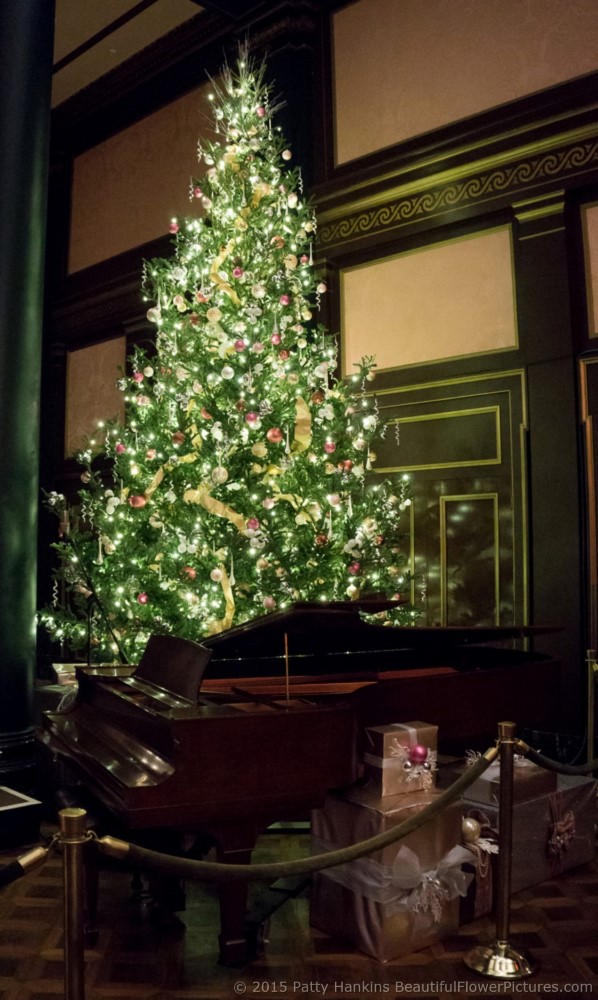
x=73 y=836
x=500 y=960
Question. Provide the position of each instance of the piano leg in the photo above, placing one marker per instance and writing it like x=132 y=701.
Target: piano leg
x=234 y=847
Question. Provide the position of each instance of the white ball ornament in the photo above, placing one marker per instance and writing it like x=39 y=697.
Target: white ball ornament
x=286 y=154
x=216 y=575
x=219 y=475
x=227 y=372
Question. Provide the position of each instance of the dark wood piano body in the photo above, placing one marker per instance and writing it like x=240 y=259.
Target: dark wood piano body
x=253 y=747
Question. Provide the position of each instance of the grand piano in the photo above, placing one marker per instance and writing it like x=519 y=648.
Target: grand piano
x=256 y=724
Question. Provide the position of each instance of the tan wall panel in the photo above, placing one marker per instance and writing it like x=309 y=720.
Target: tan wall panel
x=590 y=238
x=404 y=68
x=445 y=301
x=126 y=190
x=91 y=390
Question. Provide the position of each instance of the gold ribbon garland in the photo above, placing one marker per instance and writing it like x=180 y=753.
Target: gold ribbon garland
x=213 y=506
x=223 y=623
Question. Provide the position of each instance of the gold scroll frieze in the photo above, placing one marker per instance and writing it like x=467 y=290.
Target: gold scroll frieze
x=405 y=205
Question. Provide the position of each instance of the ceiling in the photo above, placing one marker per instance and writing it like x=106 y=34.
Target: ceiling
x=93 y=38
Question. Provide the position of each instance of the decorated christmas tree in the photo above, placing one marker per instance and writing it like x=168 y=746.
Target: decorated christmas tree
x=242 y=479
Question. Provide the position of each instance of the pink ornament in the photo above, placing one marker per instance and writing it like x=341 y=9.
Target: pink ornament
x=216 y=575
x=274 y=435
x=240 y=345
x=252 y=417
x=260 y=112
x=329 y=447
x=252 y=524
x=120 y=448
x=201 y=297
x=151 y=453
x=238 y=272
x=137 y=500
x=258 y=347
x=173 y=227
x=354 y=568
x=269 y=603
x=276 y=339
x=138 y=377
x=205 y=414
x=142 y=598
x=418 y=754
x=269 y=503
x=284 y=300
x=304 y=258
x=189 y=572
x=197 y=192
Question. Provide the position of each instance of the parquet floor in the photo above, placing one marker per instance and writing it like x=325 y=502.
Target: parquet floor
x=556 y=924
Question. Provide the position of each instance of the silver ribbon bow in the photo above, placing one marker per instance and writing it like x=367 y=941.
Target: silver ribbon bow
x=427 y=892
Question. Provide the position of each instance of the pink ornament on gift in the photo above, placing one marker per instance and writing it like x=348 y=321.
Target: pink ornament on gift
x=418 y=754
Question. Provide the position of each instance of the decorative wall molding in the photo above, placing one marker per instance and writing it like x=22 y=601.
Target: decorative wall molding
x=468 y=186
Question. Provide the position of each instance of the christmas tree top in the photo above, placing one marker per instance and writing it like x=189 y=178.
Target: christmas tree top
x=242 y=478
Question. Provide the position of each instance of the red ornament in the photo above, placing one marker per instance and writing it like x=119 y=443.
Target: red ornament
x=354 y=568
x=189 y=572
x=252 y=524
x=317 y=396
x=201 y=297
x=138 y=377
x=252 y=417
x=321 y=539
x=304 y=258
x=120 y=448
x=276 y=339
x=150 y=453
x=284 y=355
x=142 y=598
x=418 y=754
x=240 y=345
x=274 y=435
x=329 y=447
x=238 y=272
x=346 y=465
x=137 y=500
x=178 y=437
x=205 y=414
x=173 y=227
x=197 y=192
x=284 y=300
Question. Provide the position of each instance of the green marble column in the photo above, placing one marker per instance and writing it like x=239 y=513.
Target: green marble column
x=26 y=41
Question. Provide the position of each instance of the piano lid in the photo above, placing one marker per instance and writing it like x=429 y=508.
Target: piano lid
x=338 y=627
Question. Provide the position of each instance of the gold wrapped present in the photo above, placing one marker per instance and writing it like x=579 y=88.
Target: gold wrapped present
x=400 y=757
x=401 y=898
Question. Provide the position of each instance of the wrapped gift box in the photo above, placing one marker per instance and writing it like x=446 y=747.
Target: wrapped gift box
x=388 y=765
x=551 y=833
x=529 y=781
x=386 y=904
